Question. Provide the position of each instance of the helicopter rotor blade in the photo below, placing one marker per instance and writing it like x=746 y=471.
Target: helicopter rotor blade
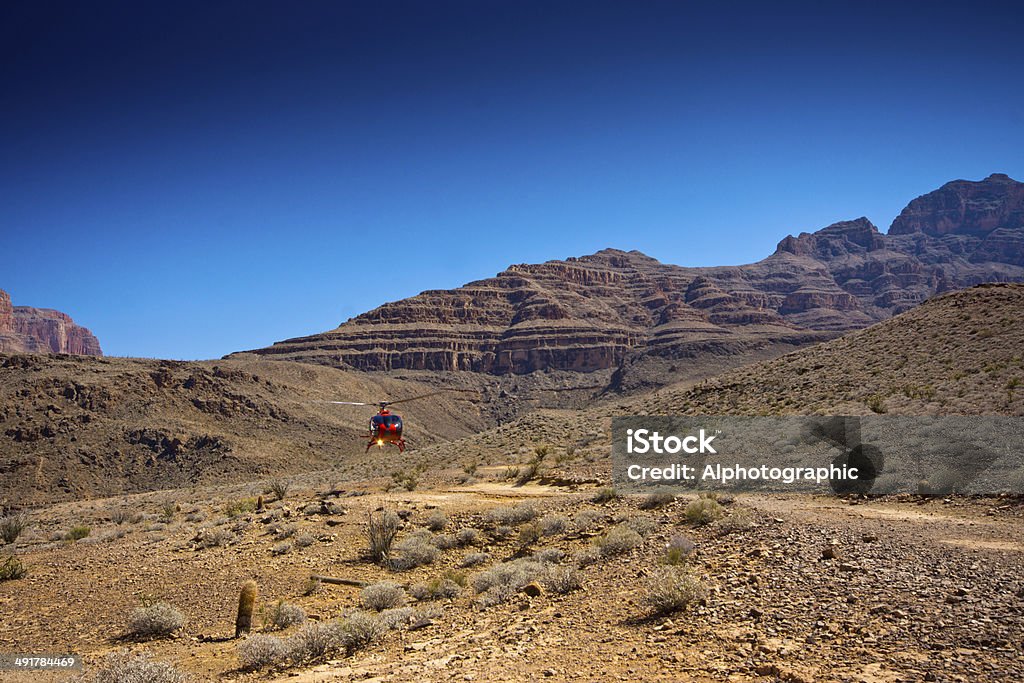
x=433 y=393
x=350 y=403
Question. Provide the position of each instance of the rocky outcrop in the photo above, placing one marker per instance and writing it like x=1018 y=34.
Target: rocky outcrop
x=24 y=329
x=600 y=311
x=963 y=207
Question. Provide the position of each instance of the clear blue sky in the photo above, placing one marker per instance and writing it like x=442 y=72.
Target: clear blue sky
x=189 y=179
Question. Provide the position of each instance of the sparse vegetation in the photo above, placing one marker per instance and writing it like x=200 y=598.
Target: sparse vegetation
x=605 y=495
x=618 y=541
x=437 y=520
x=704 y=510
x=124 y=667
x=382 y=596
x=381 y=530
x=467 y=536
x=279 y=488
x=157 y=620
x=414 y=551
x=659 y=499
x=562 y=580
x=678 y=550
x=12 y=568
x=261 y=651
x=240 y=507
x=506 y=515
x=553 y=525
x=585 y=520
x=738 y=520
x=283 y=614
x=12 y=525
x=673 y=589
x=77 y=532
x=475 y=559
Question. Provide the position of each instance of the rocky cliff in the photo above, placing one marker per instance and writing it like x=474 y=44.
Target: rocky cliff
x=24 y=329
x=603 y=311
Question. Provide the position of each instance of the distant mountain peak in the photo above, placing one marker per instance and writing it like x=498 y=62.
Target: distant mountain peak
x=965 y=207
x=25 y=329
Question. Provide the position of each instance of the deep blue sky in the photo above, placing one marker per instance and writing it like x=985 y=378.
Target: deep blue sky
x=191 y=179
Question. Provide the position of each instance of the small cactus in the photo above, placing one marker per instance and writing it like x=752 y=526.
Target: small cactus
x=259 y=504
x=246 y=604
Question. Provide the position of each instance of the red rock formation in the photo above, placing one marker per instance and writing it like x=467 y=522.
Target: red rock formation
x=24 y=329
x=595 y=312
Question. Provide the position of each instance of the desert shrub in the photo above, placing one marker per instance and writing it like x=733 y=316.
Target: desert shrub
x=703 y=511
x=123 y=516
x=282 y=531
x=414 y=551
x=312 y=586
x=467 y=536
x=260 y=651
x=529 y=533
x=195 y=517
x=77 y=532
x=397 y=617
x=279 y=488
x=437 y=520
x=562 y=580
x=653 y=501
x=876 y=402
x=553 y=525
x=154 y=621
x=474 y=559
x=509 y=515
x=530 y=471
x=605 y=495
x=642 y=524
x=381 y=529
x=437 y=588
x=283 y=614
x=315 y=641
x=360 y=628
x=511 y=472
x=239 y=507
x=282 y=548
x=12 y=525
x=501 y=582
x=382 y=596
x=11 y=569
x=585 y=520
x=678 y=550
x=549 y=555
x=619 y=540
x=212 y=537
x=501 y=532
x=168 y=510
x=124 y=667
x=739 y=520
x=588 y=556
x=672 y=589
x=445 y=541
x=405 y=480
x=304 y=540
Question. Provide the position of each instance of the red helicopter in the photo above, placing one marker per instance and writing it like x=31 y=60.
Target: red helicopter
x=385 y=426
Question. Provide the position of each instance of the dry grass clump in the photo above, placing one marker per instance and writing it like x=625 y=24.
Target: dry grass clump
x=585 y=520
x=437 y=520
x=511 y=515
x=382 y=596
x=475 y=559
x=672 y=589
x=260 y=651
x=658 y=499
x=213 y=537
x=618 y=541
x=605 y=495
x=678 y=550
x=704 y=511
x=381 y=530
x=553 y=525
x=445 y=541
x=467 y=536
x=11 y=569
x=124 y=667
x=77 y=532
x=279 y=488
x=12 y=525
x=157 y=620
x=414 y=550
x=282 y=615
x=739 y=520
x=501 y=582
x=562 y=580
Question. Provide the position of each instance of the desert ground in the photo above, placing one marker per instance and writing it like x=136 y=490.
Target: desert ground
x=789 y=588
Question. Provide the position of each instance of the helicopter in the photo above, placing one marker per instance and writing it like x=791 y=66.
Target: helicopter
x=386 y=426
